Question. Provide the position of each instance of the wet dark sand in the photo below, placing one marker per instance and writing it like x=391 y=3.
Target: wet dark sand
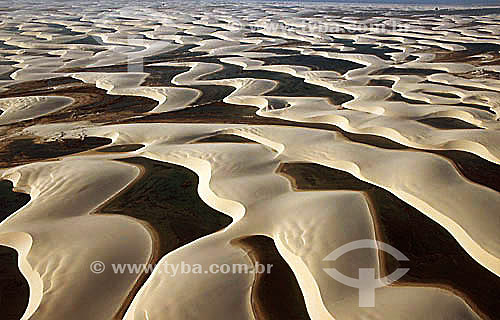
x=468 y=88
x=467 y=55
x=122 y=148
x=10 y=201
x=158 y=75
x=221 y=112
x=396 y=96
x=224 y=138
x=475 y=106
x=314 y=62
x=181 y=52
x=276 y=295
x=381 y=83
x=447 y=123
x=87 y=40
x=275 y=104
x=470 y=165
x=370 y=49
x=166 y=198
x=407 y=71
x=91 y=103
x=14 y=289
x=36 y=85
x=277 y=50
x=442 y=94
x=288 y=86
x=436 y=259
x=212 y=93
x=162 y=77
x=473 y=167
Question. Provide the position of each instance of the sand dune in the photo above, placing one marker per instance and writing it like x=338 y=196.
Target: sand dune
x=101 y=103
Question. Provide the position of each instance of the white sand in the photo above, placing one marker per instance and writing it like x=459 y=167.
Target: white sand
x=58 y=235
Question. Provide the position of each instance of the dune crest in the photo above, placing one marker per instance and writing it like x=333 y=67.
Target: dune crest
x=210 y=134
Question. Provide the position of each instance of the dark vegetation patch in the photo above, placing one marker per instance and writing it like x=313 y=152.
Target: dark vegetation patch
x=21 y=151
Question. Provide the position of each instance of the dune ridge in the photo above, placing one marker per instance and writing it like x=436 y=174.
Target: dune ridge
x=232 y=92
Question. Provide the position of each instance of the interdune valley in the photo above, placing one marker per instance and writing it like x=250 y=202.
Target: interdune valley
x=185 y=133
